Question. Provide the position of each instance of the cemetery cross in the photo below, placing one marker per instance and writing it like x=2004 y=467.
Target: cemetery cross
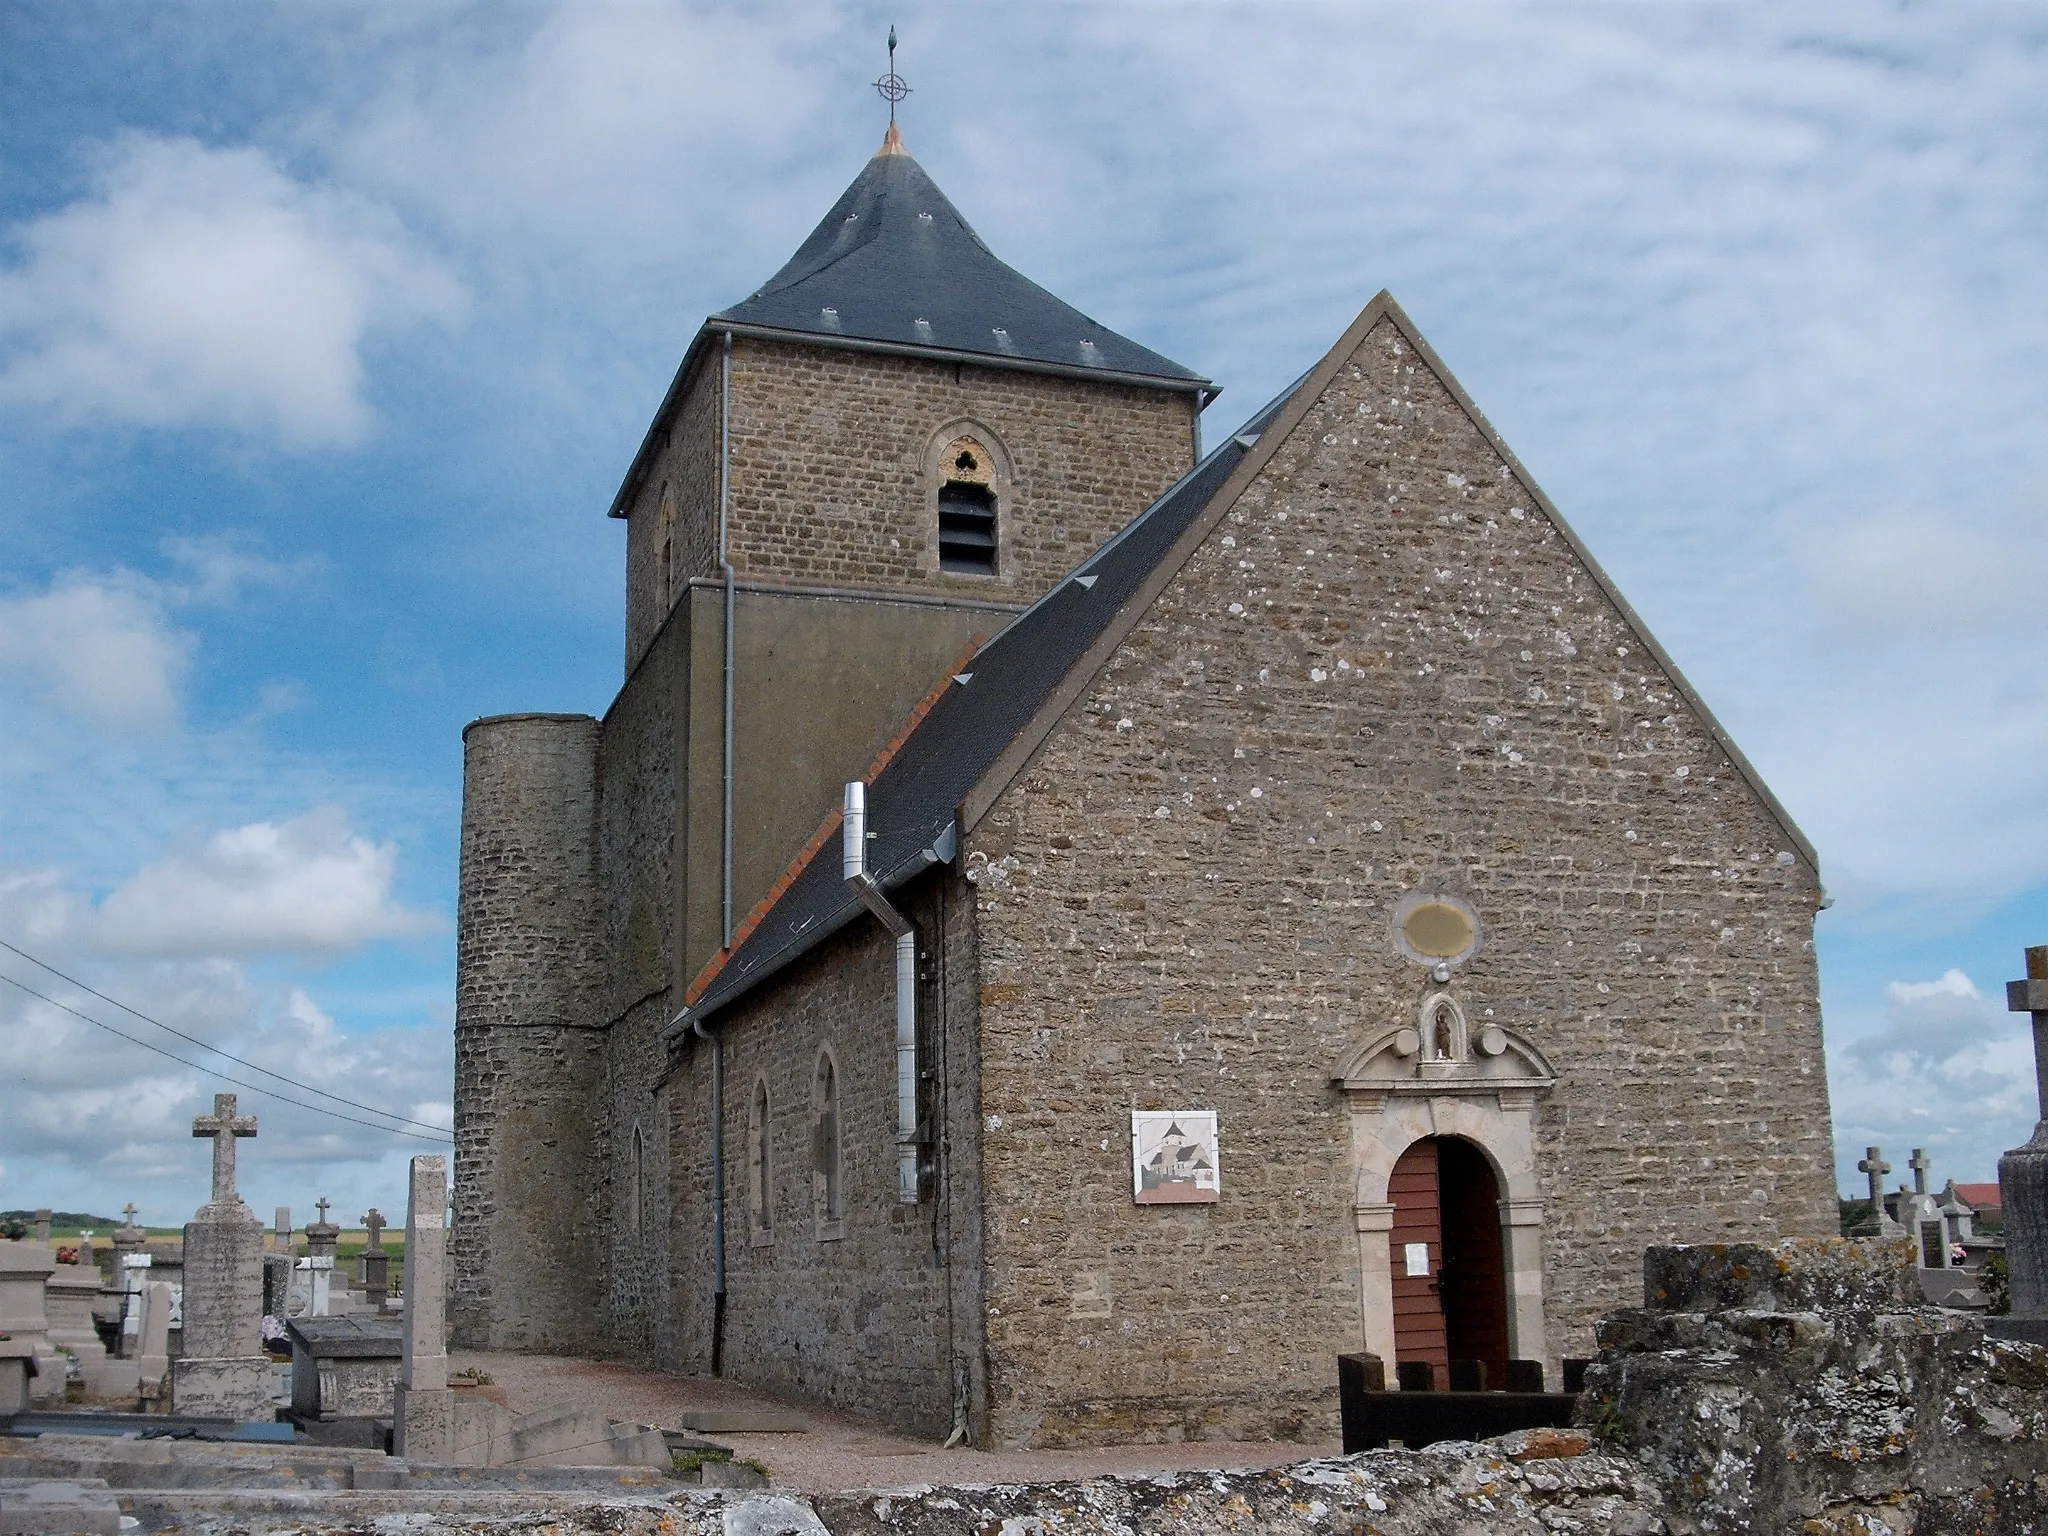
x=373 y=1223
x=1876 y=1167
x=1919 y=1164
x=223 y=1126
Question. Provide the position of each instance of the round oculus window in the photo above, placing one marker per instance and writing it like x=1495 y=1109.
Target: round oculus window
x=1431 y=929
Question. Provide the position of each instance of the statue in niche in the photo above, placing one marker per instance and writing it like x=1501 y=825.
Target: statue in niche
x=1443 y=1032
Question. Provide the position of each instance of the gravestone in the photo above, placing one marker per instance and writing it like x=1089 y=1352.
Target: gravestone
x=153 y=1347
x=2023 y=1175
x=375 y=1271
x=131 y=1266
x=318 y=1262
x=1878 y=1223
x=30 y=1366
x=423 y=1418
x=222 y=1372
x=43 y=1225
x=68 y=1297
x=281 y=1229
x=1959 y=1213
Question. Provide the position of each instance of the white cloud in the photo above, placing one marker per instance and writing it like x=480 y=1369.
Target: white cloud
x=94 y=1120
x=1947 y=1069
x=308 y=885
x=205 y=287
x=102 y=646
x=96 y=646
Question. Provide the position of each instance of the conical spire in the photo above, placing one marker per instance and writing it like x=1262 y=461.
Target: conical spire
x=895 y=264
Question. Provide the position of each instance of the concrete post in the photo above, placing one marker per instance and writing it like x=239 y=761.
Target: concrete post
x=423 y=1418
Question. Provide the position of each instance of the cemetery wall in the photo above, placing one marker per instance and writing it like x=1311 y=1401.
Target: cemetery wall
x=876 y=1311
x=639 y=773
x=527 y=1059
x=1386 y=669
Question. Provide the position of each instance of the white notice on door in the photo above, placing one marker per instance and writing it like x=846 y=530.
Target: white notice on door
x=1418 y=1258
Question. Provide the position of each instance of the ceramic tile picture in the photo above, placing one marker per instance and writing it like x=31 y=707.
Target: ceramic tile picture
x=1174 y=1157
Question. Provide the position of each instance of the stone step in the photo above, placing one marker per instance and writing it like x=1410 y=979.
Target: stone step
x=679 y=1513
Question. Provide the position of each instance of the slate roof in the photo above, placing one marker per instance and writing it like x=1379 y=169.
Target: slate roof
x=895 y=267
x=960 y=732
x=894 y=262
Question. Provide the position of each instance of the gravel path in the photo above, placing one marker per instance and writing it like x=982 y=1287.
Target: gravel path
x=837 y=1454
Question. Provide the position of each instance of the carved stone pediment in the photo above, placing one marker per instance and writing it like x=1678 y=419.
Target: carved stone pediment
x=1440 y=1055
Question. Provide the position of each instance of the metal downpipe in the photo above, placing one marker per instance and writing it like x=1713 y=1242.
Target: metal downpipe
x=724 y=864
x=853 y=858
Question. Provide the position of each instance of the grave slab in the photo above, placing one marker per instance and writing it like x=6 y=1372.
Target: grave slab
x=57 y=1509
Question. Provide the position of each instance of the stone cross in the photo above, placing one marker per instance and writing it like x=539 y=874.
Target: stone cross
x=320 y=1205
x=1919 y=1164
x=2023 y=1173
x=1876 y=1167
x=223 y=1126
x=128 y=1211
x=373 y=1223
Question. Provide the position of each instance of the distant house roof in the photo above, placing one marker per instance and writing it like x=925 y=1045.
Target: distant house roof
x=1982 y=1196
x=895 y=268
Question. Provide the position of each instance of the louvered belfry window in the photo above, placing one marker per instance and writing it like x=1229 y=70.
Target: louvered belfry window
x=967 y=528
x=967 y=508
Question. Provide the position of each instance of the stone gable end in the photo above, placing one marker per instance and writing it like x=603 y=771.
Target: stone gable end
x=1384 y=669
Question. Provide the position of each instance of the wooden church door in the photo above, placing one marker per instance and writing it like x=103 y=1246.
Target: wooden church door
x=1450 y=1272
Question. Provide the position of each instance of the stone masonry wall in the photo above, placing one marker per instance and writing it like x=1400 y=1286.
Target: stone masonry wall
x=1385 y=670
x=636 y=826
x=686 y=480
x=1803 y=1387
x=874 y=1319
x=527 y=1062
x=829 y=472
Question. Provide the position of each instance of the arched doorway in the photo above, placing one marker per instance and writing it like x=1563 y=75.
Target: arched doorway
x=1449 y=1268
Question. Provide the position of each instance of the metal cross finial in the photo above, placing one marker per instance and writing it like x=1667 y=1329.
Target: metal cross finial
x=1874 y=1165
x=892 y=86
x=1919 y=1164
x=223 y=1126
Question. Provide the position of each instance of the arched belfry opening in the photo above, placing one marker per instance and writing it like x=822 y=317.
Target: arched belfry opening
x=968 y=495
x=1449 y=1264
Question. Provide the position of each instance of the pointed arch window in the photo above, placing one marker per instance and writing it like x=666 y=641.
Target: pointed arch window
x=828 y=1163
x=760 y=1175
x=636 y=1184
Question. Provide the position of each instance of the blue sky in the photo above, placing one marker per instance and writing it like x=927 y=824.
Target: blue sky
x=327 y=331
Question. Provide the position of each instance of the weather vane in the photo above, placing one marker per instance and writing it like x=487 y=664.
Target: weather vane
x=892 y=86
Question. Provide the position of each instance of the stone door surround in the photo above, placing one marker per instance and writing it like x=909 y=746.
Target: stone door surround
x=1400 y=1086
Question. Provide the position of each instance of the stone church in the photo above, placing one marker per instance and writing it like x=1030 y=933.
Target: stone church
x=1061 y=934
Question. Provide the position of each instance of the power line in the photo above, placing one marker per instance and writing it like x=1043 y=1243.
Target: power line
x=272 y=1093
x=202 y=1044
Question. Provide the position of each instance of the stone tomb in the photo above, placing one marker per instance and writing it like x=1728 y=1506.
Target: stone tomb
x=222 y=1372
x=30 y=1367
x=344 y=1367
